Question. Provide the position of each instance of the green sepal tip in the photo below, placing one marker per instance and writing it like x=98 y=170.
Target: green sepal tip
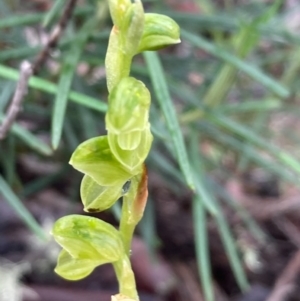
x=95 y=197
x=159 y=31
x=87 y=242
x=94 y=158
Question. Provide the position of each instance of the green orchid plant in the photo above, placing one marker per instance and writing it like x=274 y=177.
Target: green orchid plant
x=113 y=165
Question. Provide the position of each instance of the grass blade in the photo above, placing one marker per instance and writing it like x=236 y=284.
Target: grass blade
x=250 y=136
x=253 y=154
x=199 y=219
x=202 y=248
x=243 y=42
x=33 y=18
x=231 y=251
x=247 y=219
x=43 y=182
x=273 y=85
x=250 y=106
x=7 y=90
x=46 y=86
x=65 y=81
x=19 y=53
x=21 y=210
x=205 y=196
x=228 y=241
x=57 y=6
x=164 y=99
x=20 y=20
x=147 y=228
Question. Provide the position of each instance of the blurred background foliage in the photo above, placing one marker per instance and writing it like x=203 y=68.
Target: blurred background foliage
x=224 y=111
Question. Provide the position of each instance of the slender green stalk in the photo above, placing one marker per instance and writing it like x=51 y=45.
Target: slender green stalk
x=164 y=98
x=127 y=227
x=125 y=278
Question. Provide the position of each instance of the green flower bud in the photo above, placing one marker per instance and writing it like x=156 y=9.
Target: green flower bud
x=128 y=108
x=132 y=159
x=130 y=140
x=159 y=32
x=71 y=268
x=123 y=42
x=117 y=62
x=85 y=240
x=117 y=10
x=94 y=158
x=132 y=28
x=96 y=198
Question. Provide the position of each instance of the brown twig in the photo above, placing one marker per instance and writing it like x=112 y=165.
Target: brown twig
x=27 y=69
x=15 y=106
x=54 y=36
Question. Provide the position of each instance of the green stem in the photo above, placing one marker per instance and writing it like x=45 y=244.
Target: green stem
x=127 y=226
x=125 y=278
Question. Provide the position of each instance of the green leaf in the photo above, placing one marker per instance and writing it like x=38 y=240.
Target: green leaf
x=95 y=158
x=96 y=198
x=86 y=238
x=68 y=68
x=164 y=99
x=248 y=68
x=21 y=210
x=159 y=31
